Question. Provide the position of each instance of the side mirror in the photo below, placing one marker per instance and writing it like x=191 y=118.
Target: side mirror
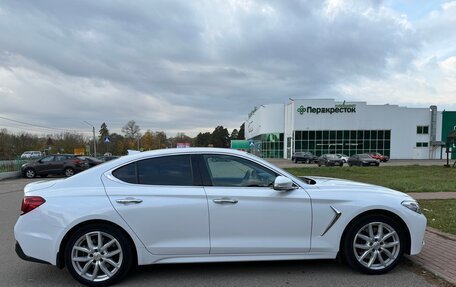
x=282 y=183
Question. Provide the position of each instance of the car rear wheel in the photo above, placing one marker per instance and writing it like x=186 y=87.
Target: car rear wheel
x=68 y=172
x=98 y=255
x=30 y=173
x=374 y=244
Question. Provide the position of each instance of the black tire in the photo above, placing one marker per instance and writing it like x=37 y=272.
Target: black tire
x=296 y=160
x=125 y=257
x=307 y=161
x=68 y=172
x=350 y=255
x=30 y=173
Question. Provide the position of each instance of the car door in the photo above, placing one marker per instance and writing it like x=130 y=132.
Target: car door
x=247 y=215
x=58 y=163
x=162 y=200
x=44 y=165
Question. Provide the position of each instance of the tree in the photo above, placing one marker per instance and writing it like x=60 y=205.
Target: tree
x=220 y=137
x=132 y=133
x=160 y=140
x=203 y=139
x=147 y=140
x=103 y=133
x=118 y=144
x=131 y=130
x=234 y=134
x=241 y=134
x=180 y=138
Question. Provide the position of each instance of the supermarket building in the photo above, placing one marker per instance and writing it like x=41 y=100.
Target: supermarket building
x=327 y=126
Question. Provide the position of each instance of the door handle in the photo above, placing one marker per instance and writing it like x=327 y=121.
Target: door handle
x=129 y=200
x=225 y=200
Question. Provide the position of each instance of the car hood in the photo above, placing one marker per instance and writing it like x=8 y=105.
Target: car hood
x=38 y=185
x=344 y=185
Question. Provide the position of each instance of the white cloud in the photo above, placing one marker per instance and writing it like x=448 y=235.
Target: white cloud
x=190 y=66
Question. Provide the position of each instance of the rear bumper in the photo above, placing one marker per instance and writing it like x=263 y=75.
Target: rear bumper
x=23 y=256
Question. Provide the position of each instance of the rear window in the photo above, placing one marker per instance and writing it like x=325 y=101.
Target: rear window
x=169 y=170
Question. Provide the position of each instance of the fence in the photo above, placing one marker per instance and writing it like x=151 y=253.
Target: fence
x=11 y=165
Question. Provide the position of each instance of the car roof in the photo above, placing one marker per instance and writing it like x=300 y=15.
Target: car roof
x=87 y=175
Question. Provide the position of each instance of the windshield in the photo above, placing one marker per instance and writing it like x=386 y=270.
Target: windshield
x=332 y=156
x=364 y=156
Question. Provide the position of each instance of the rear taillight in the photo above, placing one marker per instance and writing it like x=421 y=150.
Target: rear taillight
x=29 y=203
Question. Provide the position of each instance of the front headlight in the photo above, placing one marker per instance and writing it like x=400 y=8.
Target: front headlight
x=412 y=205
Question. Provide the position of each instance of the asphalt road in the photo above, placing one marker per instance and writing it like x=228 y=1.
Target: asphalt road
x=15 y=272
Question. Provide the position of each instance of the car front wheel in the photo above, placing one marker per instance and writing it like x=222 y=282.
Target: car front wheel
x=98 y=255
x=374 y=244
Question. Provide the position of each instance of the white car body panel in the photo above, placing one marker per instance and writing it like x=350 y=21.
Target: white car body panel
x=201 y=231
x=263 y=221
x=170 y=220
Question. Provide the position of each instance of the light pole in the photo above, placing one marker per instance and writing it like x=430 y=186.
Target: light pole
x=94 y=141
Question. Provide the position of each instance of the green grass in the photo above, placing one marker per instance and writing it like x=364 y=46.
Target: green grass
x=403 y=178
x=441 y=214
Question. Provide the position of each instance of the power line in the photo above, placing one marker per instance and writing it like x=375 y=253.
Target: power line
x=35 y=125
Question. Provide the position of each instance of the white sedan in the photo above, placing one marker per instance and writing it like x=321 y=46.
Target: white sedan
x=210 y=205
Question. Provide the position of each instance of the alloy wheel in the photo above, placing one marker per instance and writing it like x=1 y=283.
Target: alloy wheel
x=30 y=173
x=376 y=245
x=96 y=256
x=69 y=172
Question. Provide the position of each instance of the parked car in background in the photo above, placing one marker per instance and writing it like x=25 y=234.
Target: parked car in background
x=91 y=161
x=106 y=158
x=66 y=164
x=330 y=160
x=31 y=154
x=363 y=160
x=210 y=205
x=343 y=157
x=379 y=156
x=306 y=157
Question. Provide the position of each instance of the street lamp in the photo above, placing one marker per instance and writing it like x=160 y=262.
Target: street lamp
x=94 y=141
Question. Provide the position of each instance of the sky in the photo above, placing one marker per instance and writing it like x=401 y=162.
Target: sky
x=189 y=66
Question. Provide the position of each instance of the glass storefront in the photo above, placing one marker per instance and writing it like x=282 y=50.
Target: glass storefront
x=269 y=145
x=347 y=142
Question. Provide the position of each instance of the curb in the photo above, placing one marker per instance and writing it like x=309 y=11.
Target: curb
x=11 y=174
x=432 y=271
x=442 y=234
x=437 y=273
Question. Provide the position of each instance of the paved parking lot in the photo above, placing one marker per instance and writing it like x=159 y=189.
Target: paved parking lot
x=15 y=272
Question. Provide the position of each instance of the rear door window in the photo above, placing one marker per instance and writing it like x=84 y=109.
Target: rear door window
x=167 y=170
